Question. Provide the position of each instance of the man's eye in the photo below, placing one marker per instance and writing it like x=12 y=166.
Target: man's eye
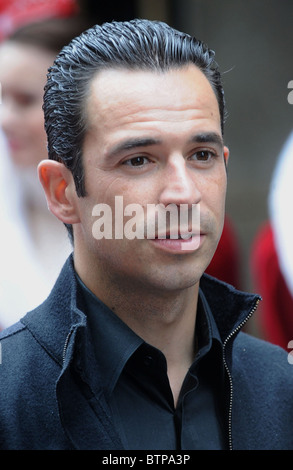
x=203 y=155
x=136 y=161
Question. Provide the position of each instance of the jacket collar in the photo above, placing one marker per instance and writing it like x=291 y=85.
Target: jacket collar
x=52 y=321
x=231 y=308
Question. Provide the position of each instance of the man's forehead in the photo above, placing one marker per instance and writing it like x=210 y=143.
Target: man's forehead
x=116 y=72
x=114 y=88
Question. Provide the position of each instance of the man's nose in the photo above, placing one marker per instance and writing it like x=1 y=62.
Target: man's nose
x=179 y=185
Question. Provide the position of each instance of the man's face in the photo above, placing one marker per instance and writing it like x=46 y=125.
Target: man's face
x=153 y=138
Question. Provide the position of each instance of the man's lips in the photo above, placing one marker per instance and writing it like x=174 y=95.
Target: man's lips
x=178 y=244
x=180 y=236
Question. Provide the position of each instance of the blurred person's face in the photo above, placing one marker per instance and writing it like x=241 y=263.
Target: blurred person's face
x=23 y=70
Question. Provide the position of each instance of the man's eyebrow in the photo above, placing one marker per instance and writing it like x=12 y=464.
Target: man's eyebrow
x=135 y=143
x=208 y=137
x=131 y=144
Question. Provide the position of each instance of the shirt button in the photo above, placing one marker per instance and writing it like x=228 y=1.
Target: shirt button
x=148 y=361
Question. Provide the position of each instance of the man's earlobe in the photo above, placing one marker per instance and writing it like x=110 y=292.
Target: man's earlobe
x=59 y=188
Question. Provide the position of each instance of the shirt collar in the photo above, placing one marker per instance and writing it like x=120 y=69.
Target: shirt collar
x=114 y=342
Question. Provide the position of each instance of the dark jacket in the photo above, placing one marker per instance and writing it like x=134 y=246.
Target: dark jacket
x=50 y=392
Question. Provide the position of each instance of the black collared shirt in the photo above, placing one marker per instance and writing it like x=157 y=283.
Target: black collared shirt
x=138 y=390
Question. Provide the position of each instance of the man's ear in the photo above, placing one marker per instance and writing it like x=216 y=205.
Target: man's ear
x=59 y=188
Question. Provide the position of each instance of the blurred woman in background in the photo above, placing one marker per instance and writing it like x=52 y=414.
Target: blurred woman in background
x=33 y=244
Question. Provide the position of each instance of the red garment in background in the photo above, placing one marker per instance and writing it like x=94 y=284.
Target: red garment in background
x=276 y=310
x=225 y=264
x=16 y=13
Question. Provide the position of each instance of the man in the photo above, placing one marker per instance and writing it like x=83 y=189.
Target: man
x=136 y=348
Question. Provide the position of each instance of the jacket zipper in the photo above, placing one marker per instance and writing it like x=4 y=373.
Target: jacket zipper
x=65 y=346
x=228 y=371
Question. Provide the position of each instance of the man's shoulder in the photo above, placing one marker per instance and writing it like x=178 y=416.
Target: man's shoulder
x=255 y=355
x=20 y=349
x=44 y=329
x=247 y=340
x=13 y=339
x=12 y=330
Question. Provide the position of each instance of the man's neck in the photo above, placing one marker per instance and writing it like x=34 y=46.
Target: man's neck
x=164 y=319
x=168 y=323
